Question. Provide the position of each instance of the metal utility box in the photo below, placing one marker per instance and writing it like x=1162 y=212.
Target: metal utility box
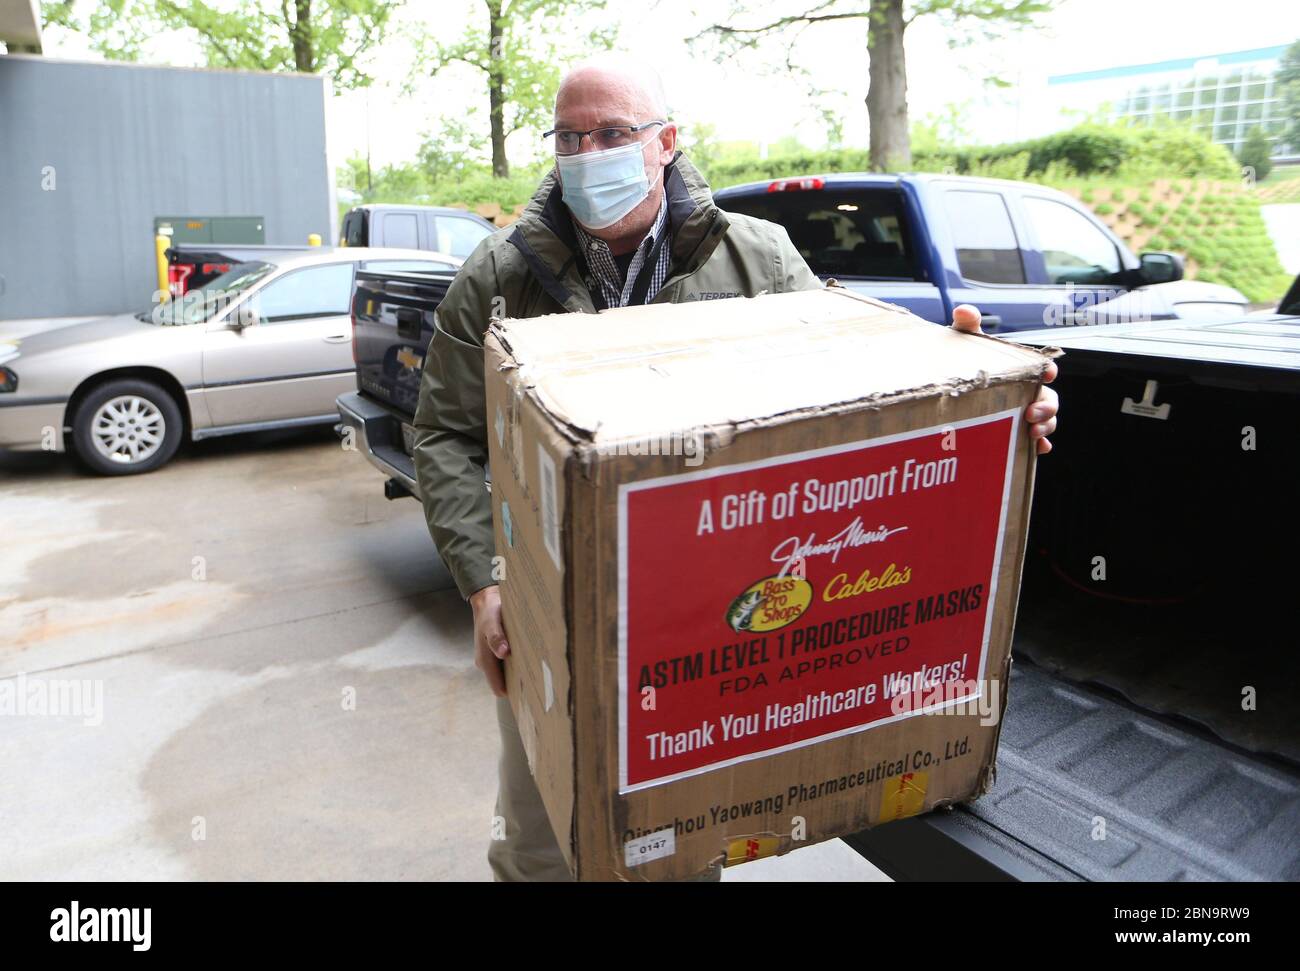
x=244 y=230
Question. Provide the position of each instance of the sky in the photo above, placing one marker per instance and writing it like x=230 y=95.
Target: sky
x=747 y=98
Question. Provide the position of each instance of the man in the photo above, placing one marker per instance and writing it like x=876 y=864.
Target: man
x=623 y=219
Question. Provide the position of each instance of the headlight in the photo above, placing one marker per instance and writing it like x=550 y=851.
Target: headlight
x=8 y=380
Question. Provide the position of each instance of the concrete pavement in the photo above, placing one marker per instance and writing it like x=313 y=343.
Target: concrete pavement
x=288 y=689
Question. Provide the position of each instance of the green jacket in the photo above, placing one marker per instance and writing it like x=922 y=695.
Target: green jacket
x=527 y=270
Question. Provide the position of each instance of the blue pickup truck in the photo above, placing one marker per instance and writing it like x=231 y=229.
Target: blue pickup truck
x=1027 y=256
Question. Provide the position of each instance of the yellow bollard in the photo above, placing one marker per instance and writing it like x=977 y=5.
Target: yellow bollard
x=160 y=244
x=313 y=239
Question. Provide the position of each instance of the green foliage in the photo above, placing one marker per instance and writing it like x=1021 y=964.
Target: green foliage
x=325 y=37
x=470 y=183
x=777 y=27
x=520 y=52
x=1256 y=152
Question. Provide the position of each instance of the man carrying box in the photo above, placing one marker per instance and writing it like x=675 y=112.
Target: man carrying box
x=623 y=219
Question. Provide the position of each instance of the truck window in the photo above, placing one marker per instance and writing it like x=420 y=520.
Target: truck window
x=1073 y=248
x=846 y=233
x=352 y=229
x=400 y=231
x=458 y=236
x=987 y=250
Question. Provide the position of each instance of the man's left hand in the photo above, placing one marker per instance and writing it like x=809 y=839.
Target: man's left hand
x=1041 y=415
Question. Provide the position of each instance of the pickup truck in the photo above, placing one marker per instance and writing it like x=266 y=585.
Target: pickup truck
x=1027 y=256
x=392 y=325
x=1154 y=621
x=439 y=228
x=1149 y=734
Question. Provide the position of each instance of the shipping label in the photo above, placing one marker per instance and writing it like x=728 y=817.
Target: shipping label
x=779 y=603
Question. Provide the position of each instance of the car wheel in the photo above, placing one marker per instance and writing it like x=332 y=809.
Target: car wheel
x=125 y=427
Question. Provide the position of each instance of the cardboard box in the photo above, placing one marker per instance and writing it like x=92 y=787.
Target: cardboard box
x=760 y=567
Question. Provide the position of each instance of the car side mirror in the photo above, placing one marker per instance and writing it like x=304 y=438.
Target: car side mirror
x=244 y=316
x=1161 y=267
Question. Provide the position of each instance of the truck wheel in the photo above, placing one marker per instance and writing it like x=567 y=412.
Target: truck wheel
x=127 y=426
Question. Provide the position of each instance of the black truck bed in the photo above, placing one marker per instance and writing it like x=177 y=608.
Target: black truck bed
x=1176 y=805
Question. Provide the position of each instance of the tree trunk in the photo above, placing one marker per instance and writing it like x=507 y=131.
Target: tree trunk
x=304 y=57
x=496 y=100
x=891 y=143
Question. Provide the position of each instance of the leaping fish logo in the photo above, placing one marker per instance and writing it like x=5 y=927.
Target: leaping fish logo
x=769 y=604
x=740 y=615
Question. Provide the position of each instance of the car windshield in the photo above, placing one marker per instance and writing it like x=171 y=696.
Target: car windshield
x=198 y=306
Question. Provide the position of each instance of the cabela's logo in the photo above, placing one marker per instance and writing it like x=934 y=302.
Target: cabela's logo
x=769 y=604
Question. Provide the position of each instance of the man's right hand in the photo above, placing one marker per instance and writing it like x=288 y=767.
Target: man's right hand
x=490 y=645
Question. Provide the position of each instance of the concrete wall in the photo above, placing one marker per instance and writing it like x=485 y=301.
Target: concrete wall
x=91 y=153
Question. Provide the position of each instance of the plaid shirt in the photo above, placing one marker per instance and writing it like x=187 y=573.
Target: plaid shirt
x=617 y=291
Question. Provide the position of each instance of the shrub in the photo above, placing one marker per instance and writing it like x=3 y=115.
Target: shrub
x=1256 y=151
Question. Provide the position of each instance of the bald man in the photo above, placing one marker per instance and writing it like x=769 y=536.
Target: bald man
x=622 y=219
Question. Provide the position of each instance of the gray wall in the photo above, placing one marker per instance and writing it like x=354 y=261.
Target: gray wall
x=128 y=143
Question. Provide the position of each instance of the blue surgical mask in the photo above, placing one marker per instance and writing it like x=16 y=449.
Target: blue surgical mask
x=600 y=188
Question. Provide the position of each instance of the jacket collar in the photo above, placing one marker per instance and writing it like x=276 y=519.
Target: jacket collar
x=544 y=233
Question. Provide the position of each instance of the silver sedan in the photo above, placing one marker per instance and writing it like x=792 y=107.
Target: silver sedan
x=265 y=345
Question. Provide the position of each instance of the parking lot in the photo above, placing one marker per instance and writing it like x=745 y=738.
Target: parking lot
x=288 y=688
x=231 y=605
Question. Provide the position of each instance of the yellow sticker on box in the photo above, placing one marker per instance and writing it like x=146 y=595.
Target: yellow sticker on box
x=903 y=796
x=751 y=848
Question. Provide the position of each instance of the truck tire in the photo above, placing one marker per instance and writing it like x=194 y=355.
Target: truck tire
x=125 y=427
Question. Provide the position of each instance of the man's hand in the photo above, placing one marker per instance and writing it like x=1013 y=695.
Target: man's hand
x=1041 y=415
x=490 y=645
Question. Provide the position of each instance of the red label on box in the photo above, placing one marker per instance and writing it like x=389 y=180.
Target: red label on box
x=778 y=603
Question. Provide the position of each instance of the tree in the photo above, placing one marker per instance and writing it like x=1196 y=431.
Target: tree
x=454 y=147
x=521 y=80
x=887 y=22
x=1287 y=84
x=325 y=37
x=1257 y=152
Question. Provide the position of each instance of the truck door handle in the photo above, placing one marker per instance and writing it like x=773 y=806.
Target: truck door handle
x=337 y=338
x=990 y=322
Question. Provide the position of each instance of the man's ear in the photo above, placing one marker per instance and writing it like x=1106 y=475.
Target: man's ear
x=667 y=143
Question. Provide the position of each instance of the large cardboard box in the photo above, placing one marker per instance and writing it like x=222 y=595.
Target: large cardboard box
x=759 y=565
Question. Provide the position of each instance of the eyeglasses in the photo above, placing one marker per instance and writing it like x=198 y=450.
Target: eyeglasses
x=615 y=136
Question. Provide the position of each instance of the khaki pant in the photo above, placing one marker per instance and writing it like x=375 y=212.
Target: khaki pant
x=529 y=851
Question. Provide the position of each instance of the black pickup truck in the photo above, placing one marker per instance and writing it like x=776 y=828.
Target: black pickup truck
x=1149 y=733
x=392 y=325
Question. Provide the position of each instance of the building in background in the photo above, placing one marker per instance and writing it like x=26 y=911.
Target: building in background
x=1223 y=95
x=96 y=156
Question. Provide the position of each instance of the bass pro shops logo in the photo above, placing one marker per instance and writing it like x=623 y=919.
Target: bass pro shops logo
x=769 y=604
